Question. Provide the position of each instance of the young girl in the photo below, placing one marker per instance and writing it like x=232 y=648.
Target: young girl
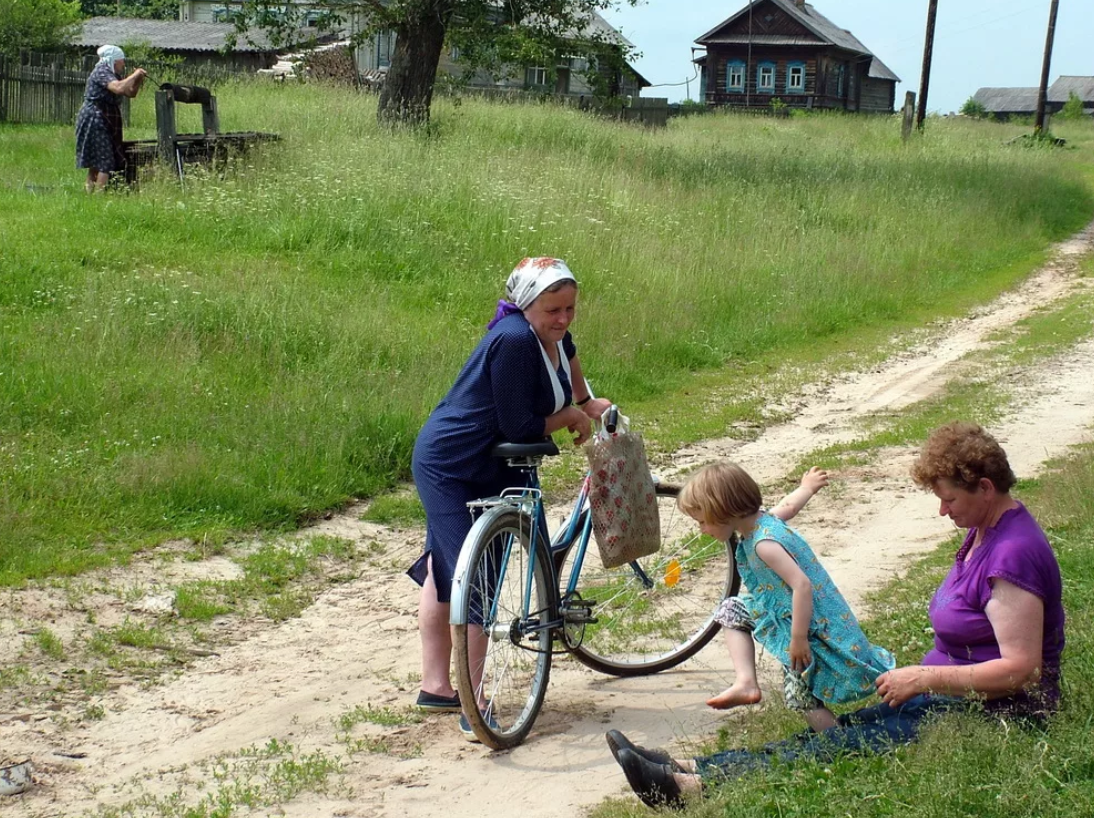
x=793 y=609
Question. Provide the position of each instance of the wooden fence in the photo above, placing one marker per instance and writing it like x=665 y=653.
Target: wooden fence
x=44 y=89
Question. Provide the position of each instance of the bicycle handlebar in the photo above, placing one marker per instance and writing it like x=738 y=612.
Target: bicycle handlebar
x=611 y=419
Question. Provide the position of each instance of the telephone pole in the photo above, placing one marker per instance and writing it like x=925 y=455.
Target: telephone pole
x=1042 y=92
x=925 y=76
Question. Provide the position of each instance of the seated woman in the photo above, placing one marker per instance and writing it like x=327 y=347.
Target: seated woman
x=998 y=621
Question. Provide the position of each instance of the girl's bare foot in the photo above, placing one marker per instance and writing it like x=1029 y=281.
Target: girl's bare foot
x=736 y=696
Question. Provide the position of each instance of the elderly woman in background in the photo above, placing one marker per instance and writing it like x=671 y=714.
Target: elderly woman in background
x=99 y=122
x=522 y=383
x=998 y=621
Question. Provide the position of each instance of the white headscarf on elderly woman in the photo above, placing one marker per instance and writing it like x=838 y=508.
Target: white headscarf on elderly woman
x=528 y=281
x=110 y=54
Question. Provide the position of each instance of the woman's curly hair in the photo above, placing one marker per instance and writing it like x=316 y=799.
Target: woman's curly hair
x=962 y=453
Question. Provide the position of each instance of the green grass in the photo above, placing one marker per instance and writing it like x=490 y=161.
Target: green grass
x=262 y=343
x=964 y=765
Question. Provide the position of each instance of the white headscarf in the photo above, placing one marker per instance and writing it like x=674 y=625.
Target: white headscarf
x=110 y=54
x=534 y=275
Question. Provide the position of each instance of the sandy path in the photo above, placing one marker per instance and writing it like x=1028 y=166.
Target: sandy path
x=358 y=645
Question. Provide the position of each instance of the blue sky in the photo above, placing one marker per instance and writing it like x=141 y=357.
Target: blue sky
x=977 y=42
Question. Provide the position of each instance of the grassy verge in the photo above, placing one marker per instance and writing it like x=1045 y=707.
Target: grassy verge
x=964 y=765
x=263 y=342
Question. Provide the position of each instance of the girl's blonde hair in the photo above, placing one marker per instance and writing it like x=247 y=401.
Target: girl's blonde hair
x=719 y=492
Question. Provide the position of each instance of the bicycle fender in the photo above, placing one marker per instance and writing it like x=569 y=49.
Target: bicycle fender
x=460 y=584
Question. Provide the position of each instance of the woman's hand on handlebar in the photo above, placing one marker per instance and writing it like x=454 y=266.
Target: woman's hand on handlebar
x=597 y=407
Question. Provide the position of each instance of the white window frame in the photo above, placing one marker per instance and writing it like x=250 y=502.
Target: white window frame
x=761 y=86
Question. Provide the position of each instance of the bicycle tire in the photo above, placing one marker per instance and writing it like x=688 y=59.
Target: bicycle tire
x=517 y=663
x=642 y=630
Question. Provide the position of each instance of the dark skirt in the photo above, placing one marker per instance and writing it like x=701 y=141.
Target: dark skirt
x=99 y=138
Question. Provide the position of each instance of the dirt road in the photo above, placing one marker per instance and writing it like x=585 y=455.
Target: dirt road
x=357 y=645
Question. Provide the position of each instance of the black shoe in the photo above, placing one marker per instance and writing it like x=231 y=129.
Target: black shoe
x=653 y=783
x=432 y=703
x=617 y=741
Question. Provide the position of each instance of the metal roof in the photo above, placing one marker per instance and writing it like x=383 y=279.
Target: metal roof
x=1007 y=100
x=168 y=35
x=824 y=30
x=1064 y=87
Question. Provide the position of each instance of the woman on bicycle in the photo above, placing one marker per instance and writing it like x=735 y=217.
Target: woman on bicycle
x=522 y=383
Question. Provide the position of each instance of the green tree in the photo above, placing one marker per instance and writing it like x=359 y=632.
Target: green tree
x=1073 y=108
x=148 y=9
x=38 y=25
x=487 y=34
x=974 y=108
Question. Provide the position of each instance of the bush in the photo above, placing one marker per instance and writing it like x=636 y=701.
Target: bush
x=1073 y=108
x=974 y=109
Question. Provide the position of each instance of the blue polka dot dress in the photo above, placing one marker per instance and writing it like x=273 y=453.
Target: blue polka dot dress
x=99 y=124
x=505 y=392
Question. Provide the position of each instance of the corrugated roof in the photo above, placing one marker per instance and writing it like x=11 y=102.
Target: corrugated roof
x=1007 y=100
x=168 y=35
x=824 y=30
x=1064 y=87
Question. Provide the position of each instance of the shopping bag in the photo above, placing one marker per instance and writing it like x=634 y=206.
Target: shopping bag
x=622 y=498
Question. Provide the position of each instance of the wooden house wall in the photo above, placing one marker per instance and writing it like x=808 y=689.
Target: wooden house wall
x=878 y=96
x=821 y=79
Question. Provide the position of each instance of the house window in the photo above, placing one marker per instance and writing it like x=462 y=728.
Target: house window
x=735 y=77
x=220 y=14
x=795 y=78
x=454 y=53
x=536 y=77
x=765 y=78
x=841 y=80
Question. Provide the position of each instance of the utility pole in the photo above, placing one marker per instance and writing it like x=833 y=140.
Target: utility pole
x=1042 y=92
x=925 y=76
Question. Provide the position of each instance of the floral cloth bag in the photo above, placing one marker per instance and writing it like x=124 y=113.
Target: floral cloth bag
x=622 y=498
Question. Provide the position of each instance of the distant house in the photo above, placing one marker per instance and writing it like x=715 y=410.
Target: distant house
x=1061 y=90
x=199 y=44
x=568 y=75
x=1004 y=103
x=786 y=49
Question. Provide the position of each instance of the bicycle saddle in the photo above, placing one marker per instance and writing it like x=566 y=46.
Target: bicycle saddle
x=544 y=447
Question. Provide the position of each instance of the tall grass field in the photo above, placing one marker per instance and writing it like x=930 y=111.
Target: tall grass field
x=262 y=341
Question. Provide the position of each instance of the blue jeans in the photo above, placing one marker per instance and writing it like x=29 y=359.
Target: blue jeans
x=873 y=729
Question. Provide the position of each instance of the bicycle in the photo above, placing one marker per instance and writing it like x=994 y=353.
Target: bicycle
x=511 y=613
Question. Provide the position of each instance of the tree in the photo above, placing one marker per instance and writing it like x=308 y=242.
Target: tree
x=38 y=25
x=974 y=108
x=488 y=34
x=147 y=9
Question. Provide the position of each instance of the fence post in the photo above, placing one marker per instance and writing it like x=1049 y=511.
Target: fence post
x=909 y=115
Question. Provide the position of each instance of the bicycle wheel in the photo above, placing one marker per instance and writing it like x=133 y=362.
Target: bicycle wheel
x=503 y=649
x=655 y=617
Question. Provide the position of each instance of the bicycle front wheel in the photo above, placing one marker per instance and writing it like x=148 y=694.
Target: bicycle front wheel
x=654 y=613
x=502 y=641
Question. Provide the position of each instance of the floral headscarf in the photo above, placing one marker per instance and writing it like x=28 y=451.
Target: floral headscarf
x=528 y=281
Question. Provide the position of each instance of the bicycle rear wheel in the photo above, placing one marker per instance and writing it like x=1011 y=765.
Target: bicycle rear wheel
x=502 y=647
x=655 y=616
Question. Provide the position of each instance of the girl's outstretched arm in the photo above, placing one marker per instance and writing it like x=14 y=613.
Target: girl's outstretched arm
x=780 y=561
x=813 y=481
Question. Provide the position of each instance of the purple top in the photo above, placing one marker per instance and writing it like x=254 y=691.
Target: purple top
x=1016 y=550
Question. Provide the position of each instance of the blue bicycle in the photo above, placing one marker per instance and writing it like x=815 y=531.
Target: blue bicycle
x=519 y=596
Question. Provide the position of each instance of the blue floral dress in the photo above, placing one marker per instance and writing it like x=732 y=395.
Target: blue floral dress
x=845 y=664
